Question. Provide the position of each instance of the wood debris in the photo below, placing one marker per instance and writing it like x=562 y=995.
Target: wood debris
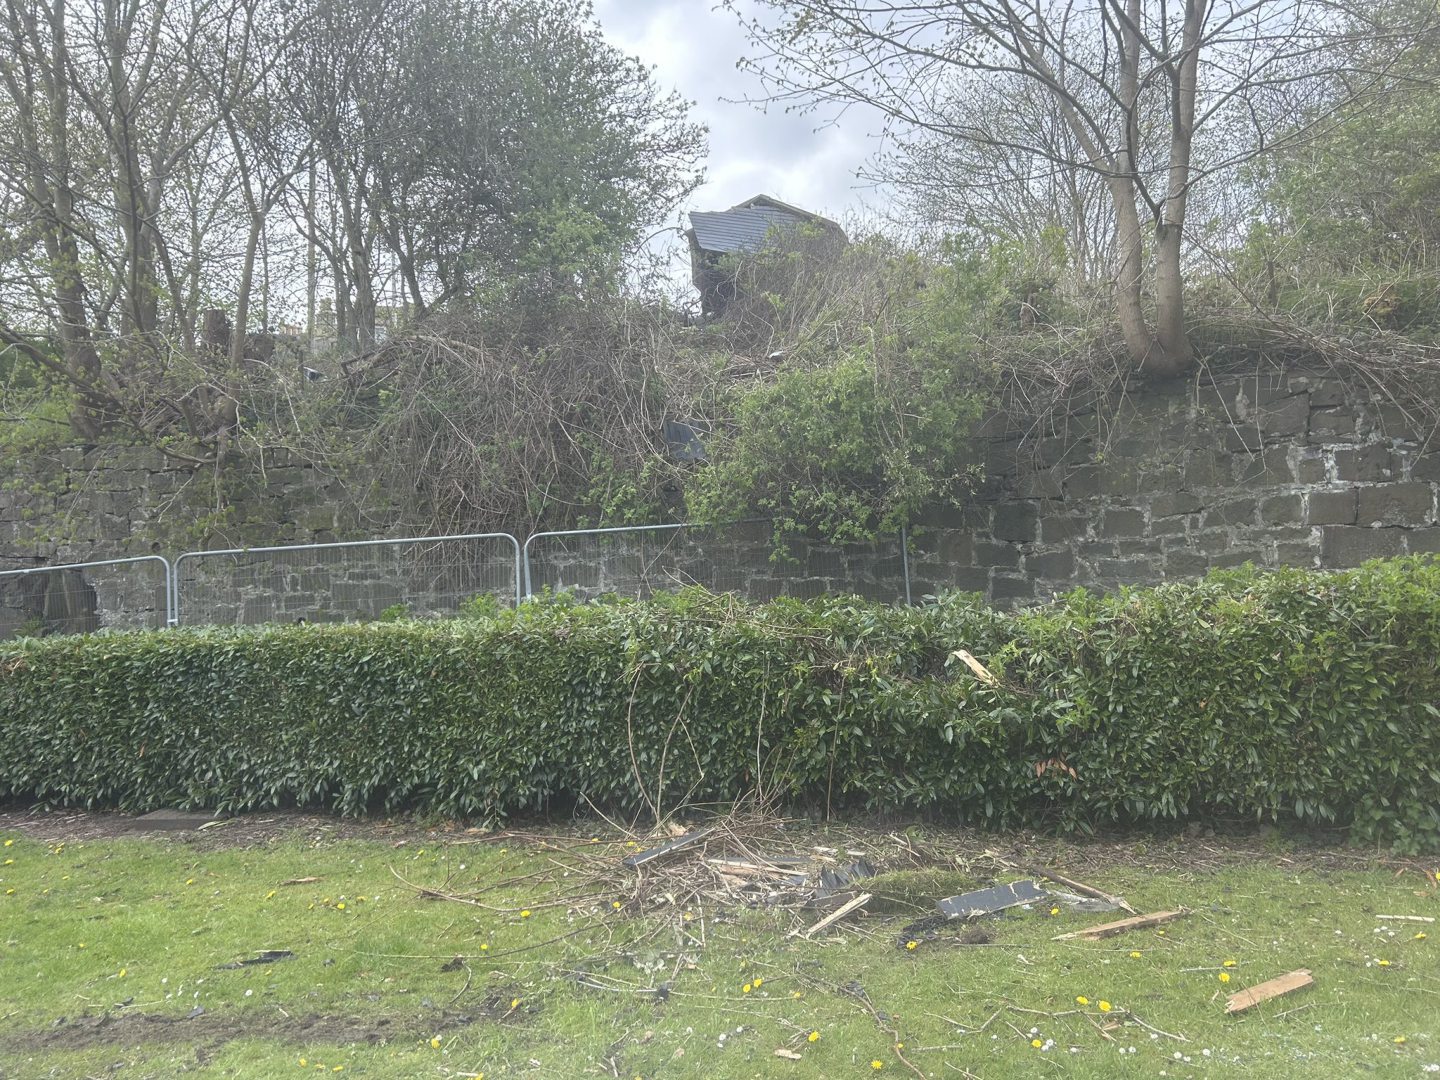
x=1272 y=988
x=981 y=671
x=835 y=916
x=788 y=1055
x=1404 y=918
x=1139 y=922
x=300 y=881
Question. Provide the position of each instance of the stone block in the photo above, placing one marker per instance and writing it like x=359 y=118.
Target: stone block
x=1330 y=507
x=1040 y=484
x=1351 y=545
x=1426 y=467
x=1208 y=469
x=1128 y=571
x=1138 y=547
x=1312 y=468
x=1268 y=469
x=1367 y=463
x=1280 y=510
x=1052 y=564
x=1056 y=530
x=1406 y=503
x=1007 y=587
x=956 y=547
x=1322 y=391
x=1185 y=563
x=964 y=578
x=1331 y=424
x=1006 y=556
x=1228 y=559
x=1170 y=503
x=1422 y=541
x=1243 y=438
x=1179 y=525
x=1126 y=522
x=1082 y=482
x=1236 y=512
x=1212 y=542
x=1304 y=556
x=1016 y=521
x=1287 y=417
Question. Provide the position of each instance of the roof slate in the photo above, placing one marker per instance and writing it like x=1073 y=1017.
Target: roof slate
x=741 y=229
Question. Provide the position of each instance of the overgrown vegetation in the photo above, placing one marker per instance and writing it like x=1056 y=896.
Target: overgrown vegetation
x=1295 y=694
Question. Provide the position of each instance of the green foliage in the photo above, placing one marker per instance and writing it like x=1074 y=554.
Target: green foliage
x=1296 y=694
x=868 y=418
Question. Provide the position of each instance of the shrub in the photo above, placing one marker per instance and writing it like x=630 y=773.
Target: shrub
x=1294 y=694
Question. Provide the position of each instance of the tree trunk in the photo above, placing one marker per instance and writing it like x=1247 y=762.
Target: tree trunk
x=1172 y=355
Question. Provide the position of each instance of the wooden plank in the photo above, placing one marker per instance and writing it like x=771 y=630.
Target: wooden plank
x=1110 y=929
x=1079 y=886
x=835 y=916
x=1272 y=988
x=1404 y=918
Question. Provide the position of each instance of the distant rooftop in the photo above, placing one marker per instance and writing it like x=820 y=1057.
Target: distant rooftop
x=745 y=226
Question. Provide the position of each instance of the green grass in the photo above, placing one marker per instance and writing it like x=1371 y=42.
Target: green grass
x=562 y=992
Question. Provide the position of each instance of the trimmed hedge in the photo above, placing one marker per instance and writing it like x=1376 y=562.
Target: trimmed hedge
x=1265 y=695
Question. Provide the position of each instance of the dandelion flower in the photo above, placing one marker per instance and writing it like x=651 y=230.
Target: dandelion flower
x=745 y=989
x=1082 y=1000
x=9 y=862
x=190 y=881
x=1224 y=976
x=1134 y=956
x=514 y=1003
x=340 y=906
x=1054 y=911
x=9 y=892
x=1382 y=963
x=759 y=983
x=122 y=974
x=338 y=1068
x=1105 y=1006
x=615 y=904
x=1420 y=936
x=1399 y=1040
x=1036 y=1043
x=269 y=894
x=796 y=994
x=525 y=914
x=814 y=1036
x=877 y=1064
x=912 y=945
x=304 y=1064
x=1228 y=963
x=435 y=1042
x=8 y=843
x=484 y=946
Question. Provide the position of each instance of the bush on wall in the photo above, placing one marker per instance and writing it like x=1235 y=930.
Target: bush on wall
x=1291 y=694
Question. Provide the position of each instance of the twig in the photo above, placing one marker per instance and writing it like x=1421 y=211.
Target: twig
x=1157 y=1031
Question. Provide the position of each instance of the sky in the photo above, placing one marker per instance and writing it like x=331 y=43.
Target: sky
x=800 y=159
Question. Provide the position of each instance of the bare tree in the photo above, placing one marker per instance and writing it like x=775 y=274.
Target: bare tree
x=1158 y=96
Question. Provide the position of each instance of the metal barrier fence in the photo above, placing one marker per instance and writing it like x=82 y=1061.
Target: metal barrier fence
x=73 y=598
x=639 y=560
x=426 y=575
x=436 y=575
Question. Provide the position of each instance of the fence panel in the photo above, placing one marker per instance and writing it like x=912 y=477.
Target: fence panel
x=637 y=561
x=421 y=576
x=78 y=598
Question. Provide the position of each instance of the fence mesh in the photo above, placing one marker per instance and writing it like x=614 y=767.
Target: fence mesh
x=739 y=559
x=340 y=582
x=129 y=594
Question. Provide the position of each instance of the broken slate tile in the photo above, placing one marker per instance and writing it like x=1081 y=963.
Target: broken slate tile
x=988 y=901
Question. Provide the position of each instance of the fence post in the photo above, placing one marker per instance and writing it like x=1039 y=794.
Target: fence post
x=905 y=561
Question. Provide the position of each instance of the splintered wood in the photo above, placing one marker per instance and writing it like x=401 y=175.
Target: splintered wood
x=981 y=671
x=834 y=917
x=1273 y=988
x=1110 y=929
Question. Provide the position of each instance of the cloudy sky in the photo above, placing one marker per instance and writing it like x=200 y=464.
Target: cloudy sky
x=693 y=47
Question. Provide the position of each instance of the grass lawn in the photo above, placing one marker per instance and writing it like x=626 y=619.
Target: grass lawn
x=553 y=962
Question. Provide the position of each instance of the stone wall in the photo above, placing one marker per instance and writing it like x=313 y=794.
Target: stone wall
x=1279 y=469
x=1283 y=468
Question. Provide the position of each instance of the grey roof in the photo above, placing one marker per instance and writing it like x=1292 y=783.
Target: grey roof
x=741 y=229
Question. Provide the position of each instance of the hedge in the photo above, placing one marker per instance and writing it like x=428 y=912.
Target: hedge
x=1287 y=694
